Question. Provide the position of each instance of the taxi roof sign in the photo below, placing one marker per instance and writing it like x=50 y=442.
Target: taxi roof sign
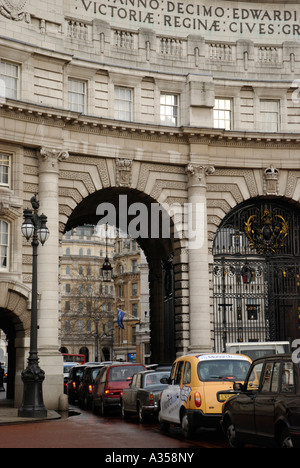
x=210 y=357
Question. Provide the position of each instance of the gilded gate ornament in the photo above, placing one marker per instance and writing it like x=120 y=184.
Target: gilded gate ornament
x=267 y=235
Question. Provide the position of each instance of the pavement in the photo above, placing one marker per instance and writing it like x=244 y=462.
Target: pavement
x=9 y=414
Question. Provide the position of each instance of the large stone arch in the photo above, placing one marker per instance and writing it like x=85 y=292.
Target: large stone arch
x=227 y=188
x=86 y=182
x=15 y=322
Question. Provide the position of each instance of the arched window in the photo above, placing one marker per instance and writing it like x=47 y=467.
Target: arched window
x=4 y=245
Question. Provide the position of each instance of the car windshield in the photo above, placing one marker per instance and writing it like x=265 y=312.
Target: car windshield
x=95 y=372
x=120 y=373
x=67 y=369
x=155 y=377
x=214 y=370
x=78 y=372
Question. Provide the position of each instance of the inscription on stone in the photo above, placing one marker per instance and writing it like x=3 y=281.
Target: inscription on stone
x=190 y=16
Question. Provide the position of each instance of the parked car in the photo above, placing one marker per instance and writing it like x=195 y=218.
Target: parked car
x=67 y=368
x=198 y=386
x=265 y=411
x=85 y=390
x=256 y=350
x=73 y=382
x=143 y=394
x=109 y=385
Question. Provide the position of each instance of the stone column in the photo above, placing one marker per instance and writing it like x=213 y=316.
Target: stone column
x=48 y=277
x=199 y=303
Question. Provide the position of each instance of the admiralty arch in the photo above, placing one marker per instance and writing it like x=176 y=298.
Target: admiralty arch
x=172 y=103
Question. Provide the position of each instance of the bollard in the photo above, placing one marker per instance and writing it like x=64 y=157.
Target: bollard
x=63 y=404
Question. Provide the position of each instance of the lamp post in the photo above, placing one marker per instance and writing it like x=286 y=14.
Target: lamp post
x=34 y=227
x=107 y=269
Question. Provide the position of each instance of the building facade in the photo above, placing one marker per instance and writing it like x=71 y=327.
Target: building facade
x=132 y=333
x=190 y=110
x=87 y=302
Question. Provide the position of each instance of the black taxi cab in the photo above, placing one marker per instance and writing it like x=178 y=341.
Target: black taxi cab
x=265 y=410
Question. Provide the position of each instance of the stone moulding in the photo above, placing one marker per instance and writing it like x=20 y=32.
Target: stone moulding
x=184 y=134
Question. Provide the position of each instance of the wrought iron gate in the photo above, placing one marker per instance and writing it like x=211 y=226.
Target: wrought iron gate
x=256 y=275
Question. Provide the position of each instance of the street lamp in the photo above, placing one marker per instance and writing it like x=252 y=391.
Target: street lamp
x=107 y=269
x=34 y=227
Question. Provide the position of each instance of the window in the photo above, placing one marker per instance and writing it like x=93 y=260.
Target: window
x=287 y=384
x=9 y=80
x=269 y=113
x=134 y=310
x=187 y=374
x=178 y=374
x=133 y=335
x=134 y=266
x=223 y=113
x=123 y=103
x=77 y=95
x=134 y=289
x=5 y=170
x=67 y=306
x=68 y=288
x=4 y=245
x=270 y=381
x=254 y=378
x=80 y=326
x=169 y=109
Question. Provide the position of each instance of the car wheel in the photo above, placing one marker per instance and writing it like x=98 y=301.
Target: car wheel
x=141 y=414
x=95 y=408
x=124 y=412
x=186 y=426
x=85 y=403
x=164 y=426
x=286 y=440
x=231 y=436
x=103 y=410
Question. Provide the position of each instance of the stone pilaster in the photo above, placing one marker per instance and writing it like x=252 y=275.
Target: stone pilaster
x=48 y=274
x=200 y=333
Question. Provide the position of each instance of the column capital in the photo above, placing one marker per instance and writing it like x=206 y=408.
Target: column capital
x=51 y=156
x=197 y=174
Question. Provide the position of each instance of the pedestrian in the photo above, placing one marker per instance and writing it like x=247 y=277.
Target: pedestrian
x=2 y=389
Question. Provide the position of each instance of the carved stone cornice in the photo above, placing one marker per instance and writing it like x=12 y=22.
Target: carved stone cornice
x=189 y=135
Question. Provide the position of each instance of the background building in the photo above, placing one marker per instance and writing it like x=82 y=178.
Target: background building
x=87 y=302
x=132 y=297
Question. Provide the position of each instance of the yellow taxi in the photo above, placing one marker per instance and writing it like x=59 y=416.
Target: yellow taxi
x=199 y=384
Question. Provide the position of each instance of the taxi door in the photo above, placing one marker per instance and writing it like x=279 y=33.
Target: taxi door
x=266 y=400
x=170 y=400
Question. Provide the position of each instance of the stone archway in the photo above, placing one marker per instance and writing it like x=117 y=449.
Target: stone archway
x=15 y=323
x=155 y=234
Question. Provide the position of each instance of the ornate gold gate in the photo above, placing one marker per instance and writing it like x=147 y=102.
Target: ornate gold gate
x=256 y=274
